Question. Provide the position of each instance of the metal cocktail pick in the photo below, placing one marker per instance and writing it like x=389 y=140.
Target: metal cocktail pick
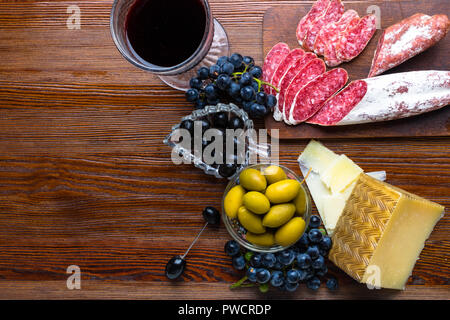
x=176 y=265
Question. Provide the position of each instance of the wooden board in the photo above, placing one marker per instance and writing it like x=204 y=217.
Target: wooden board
x=279 y=25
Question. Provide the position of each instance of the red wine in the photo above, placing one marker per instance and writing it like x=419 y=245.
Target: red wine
x=166 y=32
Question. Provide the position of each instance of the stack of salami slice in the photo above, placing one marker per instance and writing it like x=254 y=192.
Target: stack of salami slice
x=307 y=92
x=303 y=82
x=337 y=35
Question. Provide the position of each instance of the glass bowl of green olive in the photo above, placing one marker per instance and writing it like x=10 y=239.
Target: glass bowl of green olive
x=266 y=207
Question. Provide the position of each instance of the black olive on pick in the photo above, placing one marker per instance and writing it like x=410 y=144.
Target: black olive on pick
x=211 y=215
x=175 y=267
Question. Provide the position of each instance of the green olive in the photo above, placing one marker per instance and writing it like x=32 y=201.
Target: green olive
x=252 y=179
x=256 y=202
x=290 y=232
x=250 y=221
x=233 y=201
x=274 y=174
x=278 y=215
x=264 y=239
x=283 y=191
x=300 y=202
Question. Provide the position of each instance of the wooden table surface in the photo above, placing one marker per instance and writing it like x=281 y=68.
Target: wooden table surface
x=85 y=178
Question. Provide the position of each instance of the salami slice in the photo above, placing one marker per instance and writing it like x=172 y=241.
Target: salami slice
x=339 y=105
x=272 y=60
x=303 y=26
x=331 y=30
x=330 y=49
x=333 y=13
x=312 y=96
x=388 y=97
x=354 y=40
x=283 y=67
x=406 y=39
x=312 y=70
x=290 y=74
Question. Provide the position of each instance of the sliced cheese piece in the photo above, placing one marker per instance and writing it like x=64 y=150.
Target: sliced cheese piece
x=316 y=188
x=381 y=232
x=340 y=174
x=333 y=205
x=317 y=157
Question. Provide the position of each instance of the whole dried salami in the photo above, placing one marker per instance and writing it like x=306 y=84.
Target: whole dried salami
x=333 y=13
x=312 y=70
x=304 y=24
x=387 y=97
x=354 y=40
x=406 y=39
x=313 y=95
x=273 y=58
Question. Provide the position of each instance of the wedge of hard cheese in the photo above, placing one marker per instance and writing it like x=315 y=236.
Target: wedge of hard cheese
x=330 y=178
x=381 y=232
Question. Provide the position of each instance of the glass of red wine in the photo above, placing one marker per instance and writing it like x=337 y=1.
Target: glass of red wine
x=170 y=38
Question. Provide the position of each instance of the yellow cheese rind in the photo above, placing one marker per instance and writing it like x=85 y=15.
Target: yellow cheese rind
x=340 y=174
x=383 y=227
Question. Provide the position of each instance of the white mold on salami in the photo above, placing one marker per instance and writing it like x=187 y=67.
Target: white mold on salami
x=400 y=95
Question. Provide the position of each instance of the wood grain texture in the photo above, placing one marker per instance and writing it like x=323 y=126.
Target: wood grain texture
x=85 y=178
x=280 y=23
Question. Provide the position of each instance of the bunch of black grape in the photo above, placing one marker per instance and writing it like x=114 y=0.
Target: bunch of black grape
x=233 y=79
x=304 y=262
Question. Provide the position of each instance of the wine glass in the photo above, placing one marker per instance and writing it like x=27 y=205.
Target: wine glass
x=213 y=44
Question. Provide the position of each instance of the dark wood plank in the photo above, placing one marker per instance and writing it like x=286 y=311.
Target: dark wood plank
x=85 y=178
x=280 y=24
x=164 y=290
